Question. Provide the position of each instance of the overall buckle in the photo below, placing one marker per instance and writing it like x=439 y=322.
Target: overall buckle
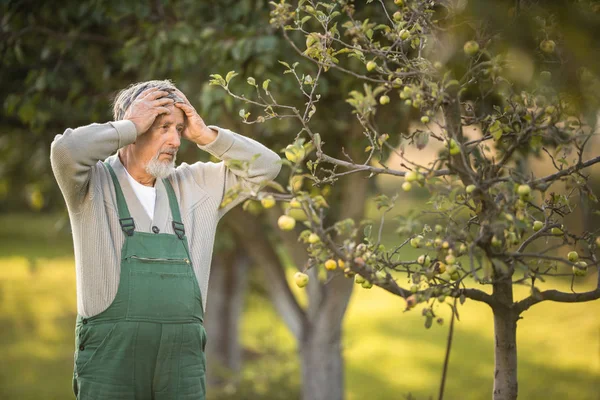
x=179 y=229
x=127 y=225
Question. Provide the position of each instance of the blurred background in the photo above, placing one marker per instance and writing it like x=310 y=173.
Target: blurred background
x=62 y=63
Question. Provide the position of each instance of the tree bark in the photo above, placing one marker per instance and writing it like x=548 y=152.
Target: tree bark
x=228 y=279
x=505 y=357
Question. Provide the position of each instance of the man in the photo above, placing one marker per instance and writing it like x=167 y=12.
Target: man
x=143 y=234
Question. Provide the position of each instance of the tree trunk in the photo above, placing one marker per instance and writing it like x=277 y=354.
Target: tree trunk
x=505 y=357
x=228 y=279
x=322 y=363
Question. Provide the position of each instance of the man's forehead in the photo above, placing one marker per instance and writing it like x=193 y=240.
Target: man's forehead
x=176 y=116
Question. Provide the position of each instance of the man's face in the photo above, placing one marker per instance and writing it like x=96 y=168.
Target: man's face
x=157 y=148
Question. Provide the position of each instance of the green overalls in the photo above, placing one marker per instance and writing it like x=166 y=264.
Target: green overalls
x=149 y=343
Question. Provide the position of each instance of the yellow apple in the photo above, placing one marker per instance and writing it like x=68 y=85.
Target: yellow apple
x=286 y=223
x=301 y=279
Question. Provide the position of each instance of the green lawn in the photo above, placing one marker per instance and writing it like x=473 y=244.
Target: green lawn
x=388 y=352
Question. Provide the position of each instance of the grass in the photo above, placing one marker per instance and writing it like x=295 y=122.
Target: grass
x=388 y=353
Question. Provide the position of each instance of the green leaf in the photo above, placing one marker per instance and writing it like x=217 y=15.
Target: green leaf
x=303 y=20
x=265 y=85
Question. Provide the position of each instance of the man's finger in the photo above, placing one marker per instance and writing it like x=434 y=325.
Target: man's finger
x=146 y=92
x=162 y=110
x=180 y=94
x=156 y=95
x=186 y=108
x=162 y=101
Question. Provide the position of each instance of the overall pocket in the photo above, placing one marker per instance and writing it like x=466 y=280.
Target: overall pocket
x=90 y=342
x=160 y=289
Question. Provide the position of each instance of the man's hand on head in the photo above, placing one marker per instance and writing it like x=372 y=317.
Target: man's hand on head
x=146 y=107
x=195 y=130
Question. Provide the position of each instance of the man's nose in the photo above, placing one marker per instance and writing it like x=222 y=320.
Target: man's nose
x=174 y=139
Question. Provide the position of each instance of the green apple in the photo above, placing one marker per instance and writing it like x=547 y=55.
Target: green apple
x=450 y=259
x=359 y=279
x=537 y=225
x=573 y=256
x=425 y=119
x=331 y=265
x=556 y=231
x=414 y=288
x=438 y=229
x=470 y=189
x=301 y=279
x=580 y=269
x=496 y=242
x=404 y=34
x=416 y=241
x=471 y=48
x=268 y=201
x=313 y=238
x=547 y=46
x=397 y=16
x=406 y=186
x=286 y=223
x=524 y=190
x=411 y=176
x=383 y=100
x=367 y=285
x=371 y=65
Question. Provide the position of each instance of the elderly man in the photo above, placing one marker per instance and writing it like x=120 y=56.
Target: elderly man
x=143 y=234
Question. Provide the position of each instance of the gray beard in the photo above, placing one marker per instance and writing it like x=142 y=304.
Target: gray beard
x=161 y=169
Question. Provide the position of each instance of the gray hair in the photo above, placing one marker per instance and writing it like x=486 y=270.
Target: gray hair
x=126 y=96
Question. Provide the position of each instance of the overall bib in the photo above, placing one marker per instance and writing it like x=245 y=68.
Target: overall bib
x=149 y=343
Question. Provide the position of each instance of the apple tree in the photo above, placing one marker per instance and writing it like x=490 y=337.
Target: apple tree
x=495 y=94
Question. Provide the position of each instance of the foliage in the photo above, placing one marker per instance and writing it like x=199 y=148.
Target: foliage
x=497 y=223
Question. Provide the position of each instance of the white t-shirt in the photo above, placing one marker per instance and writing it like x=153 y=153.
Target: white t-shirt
x=145 y=194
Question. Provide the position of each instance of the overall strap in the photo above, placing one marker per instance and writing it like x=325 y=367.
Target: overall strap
x=178 y=227
x=125 y=219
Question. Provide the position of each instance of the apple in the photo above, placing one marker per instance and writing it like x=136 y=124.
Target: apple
x=454 y=147
x=371 y=65
x=341 y=263
x=537 y=225
x=330 y=264
x=411 y=176
x=445 y=276
x=524 y=190
x=450 y=259
x=268 y=201
x=404 y=34
x=414 y=288
x=367 y=285
x=445 y=244
x=301 y=279
x=547 y=46
x=359 y=279
x=580 y=269
x=294 y=203
x=442 y=267
x=556 y=231
x=438 y=229
x=451 y=268
x=425 y=119
x=462 y=249
x=496 y=242
x=383 y=100
x=399 y=3
x=471 y=47
x=406 y=186
x=381 y=275
x=441 y=298
x=313 y=238
x=470 y=189
x=416 y=241
x=573 y=256
x=286 y=223
x=397 y=16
